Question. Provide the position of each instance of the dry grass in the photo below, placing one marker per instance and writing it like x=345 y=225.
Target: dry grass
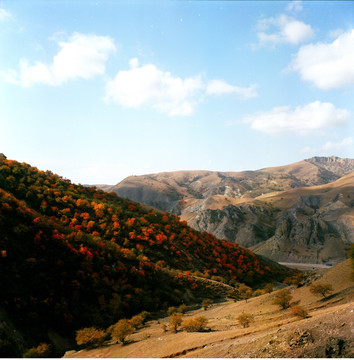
x=268 y=334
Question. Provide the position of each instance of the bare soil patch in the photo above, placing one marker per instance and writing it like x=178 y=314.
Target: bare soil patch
x=327 y=332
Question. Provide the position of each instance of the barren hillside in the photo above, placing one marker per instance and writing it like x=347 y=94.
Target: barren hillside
x=326 y=332
x=302 y=212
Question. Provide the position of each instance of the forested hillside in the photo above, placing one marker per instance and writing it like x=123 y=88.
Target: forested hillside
x=74 y=256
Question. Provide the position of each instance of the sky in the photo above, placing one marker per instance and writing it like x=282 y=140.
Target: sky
x=96 y=91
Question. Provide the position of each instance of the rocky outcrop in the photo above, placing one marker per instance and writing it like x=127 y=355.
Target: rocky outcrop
x=287 y=213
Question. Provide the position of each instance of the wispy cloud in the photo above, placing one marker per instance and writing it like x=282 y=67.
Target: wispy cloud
x=147 y=85
x=295 y=5
x=81 y=56
x=5 y=15
x=327 y=65
x=283 y=30
x=329 y=146
x=220 y=87
x=311 y=118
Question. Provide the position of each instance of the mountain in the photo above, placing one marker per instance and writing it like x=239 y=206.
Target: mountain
x=73 y=256
x=263 y=207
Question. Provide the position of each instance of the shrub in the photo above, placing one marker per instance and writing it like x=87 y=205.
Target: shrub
x=41 y=351
x=137 y=321
x=245 y=319
x=218 y=278
x=194 y=324
x=258 y=292
x=297 y=279
x=351 y=257
x=171 y=310
x=282 y=298
x=182 y=308
x=175 y=321
x=206 y=304
x=268 y=288
x=121 y=330
x=145 y=315
x=245 y=291
x=299 y=311
x=164 y=327
x=90 y=337
x=321 y=289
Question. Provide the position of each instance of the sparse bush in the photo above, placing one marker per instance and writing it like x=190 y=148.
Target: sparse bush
x=245 y=291
x=297 y=279
x=206 y=304
x=194 y=324
x=268 y=288
x=258 y=292
x=171 y=310
x=175 y=321
x=90 y=337
x=321 y=289
x=182 y=308
x=137 y=321
x=351 y=257
x=145 y=315
x=218 y=278
x=41 y=351
x=299 y=311
x=282 y=298
x=121 y=330
x=245 y=319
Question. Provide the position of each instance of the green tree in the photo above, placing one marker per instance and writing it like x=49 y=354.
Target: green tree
x=282 y=298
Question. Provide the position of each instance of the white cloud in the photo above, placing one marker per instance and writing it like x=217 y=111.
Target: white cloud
x=220 y=87
x=329 y=146
x=5 y=15
x=283 y=30
x=82 y=56
x=172 y=95
x=146 y=85
x=295 y=5
x=313 y=117
x=327 y=65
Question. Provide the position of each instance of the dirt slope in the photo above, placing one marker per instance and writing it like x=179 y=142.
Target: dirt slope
x=327 y=332
x=288 y=213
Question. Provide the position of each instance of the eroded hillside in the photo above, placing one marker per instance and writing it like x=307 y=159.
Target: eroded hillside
x=326 y=331
x=282 y=212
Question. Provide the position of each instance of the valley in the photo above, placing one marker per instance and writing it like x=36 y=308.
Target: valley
x=78 y=260
x=302 y=212
x=325 y=332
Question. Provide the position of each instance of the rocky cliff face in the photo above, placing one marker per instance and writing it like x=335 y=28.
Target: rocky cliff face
x=277 y=212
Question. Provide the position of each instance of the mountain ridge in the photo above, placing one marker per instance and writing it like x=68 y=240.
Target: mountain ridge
x=234 y=205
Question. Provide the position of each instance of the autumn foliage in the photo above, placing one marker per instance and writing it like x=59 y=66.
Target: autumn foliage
x=73 y=256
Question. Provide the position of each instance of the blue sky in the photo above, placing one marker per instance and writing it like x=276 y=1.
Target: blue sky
x=99 y=90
